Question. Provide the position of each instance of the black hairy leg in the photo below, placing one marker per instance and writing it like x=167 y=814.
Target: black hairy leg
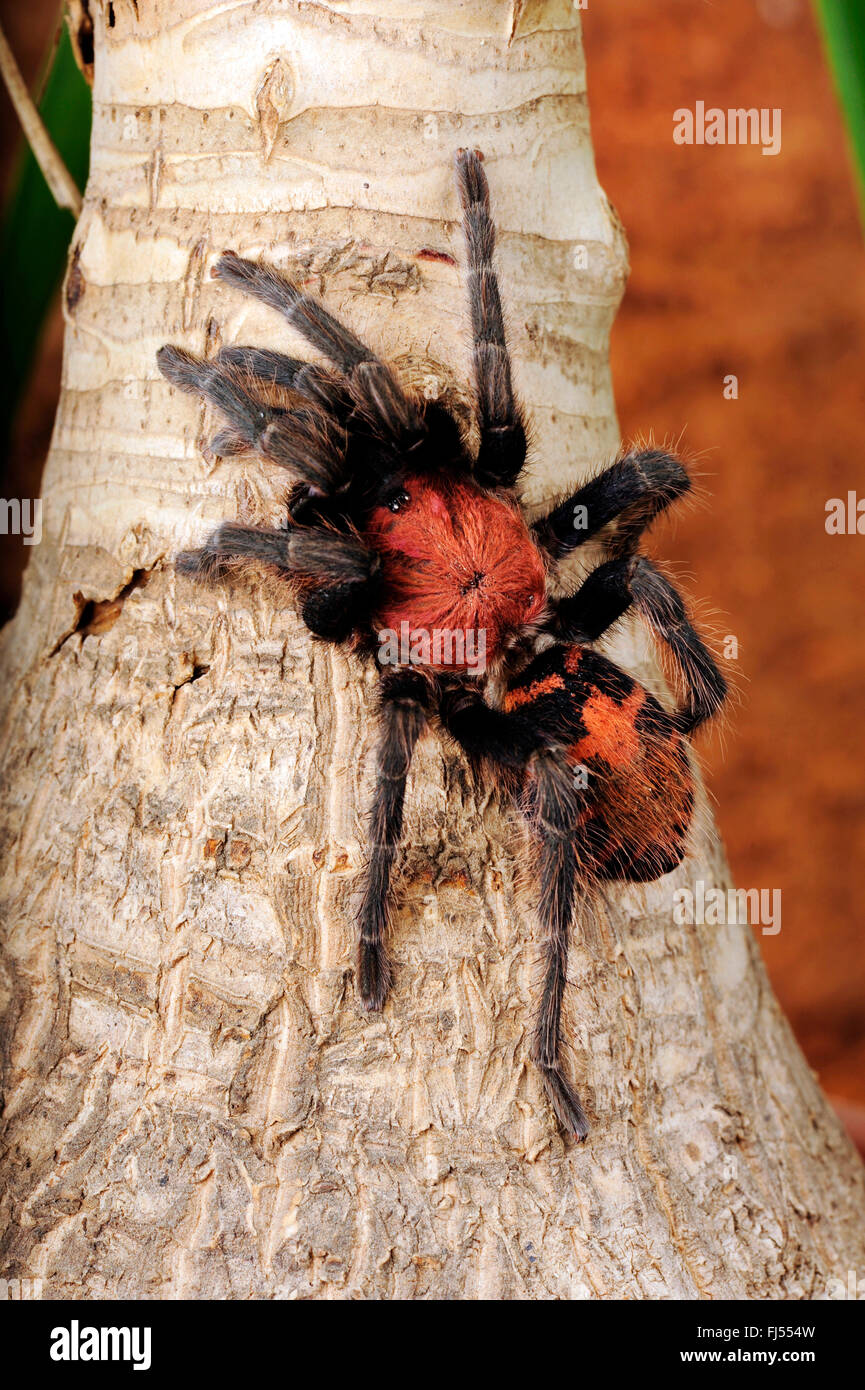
x=503 y=744
x=373 y=387
x=402 y=719
x=600 y=601
x=662 y=608
x=493 y=740
x=609 y=591
x=633 y=491
x=322 y=555
x=552 y=806
x=320 y=385
x=309 y=443
x=502 y=450
x=330 y=442
x=335 y=574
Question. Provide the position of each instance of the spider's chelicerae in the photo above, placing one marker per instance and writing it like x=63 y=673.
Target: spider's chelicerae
x=394 y=519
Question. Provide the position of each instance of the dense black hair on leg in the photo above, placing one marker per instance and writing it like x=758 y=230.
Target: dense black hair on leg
x=661 y=606
x=343 y=570
x=501 y=743
x=437 y=448
x=598 y=603
x=553 y=806
x=404 y=697
x=317 y=384
x=502 y=450
x=371 y=383
x=303 y=311
x=609 y=591
x=335 y=612
x=492 y=740
x=229 y=390
x=309 y=442
x=633 y=490
x=319 y=554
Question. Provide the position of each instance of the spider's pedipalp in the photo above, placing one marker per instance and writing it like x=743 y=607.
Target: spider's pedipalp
x=502 y=450
x=320 y=555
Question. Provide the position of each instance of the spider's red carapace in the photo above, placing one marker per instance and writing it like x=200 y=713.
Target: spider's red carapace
x=454 y=559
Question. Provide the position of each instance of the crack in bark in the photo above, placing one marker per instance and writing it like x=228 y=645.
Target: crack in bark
x=96 y=616
x=198 y=670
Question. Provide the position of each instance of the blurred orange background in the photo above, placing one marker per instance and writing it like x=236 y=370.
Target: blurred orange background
x=754 y=266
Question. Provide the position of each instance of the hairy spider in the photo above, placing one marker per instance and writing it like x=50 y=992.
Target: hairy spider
x=396 y=524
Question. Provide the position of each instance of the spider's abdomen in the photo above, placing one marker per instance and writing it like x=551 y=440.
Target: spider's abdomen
x=627 y=756
x=456 y=561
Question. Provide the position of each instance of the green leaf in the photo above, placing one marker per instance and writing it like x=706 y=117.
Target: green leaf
x=35 y=233
x=843 y=27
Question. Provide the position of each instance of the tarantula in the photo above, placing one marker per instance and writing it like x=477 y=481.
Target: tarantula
x=396 y=523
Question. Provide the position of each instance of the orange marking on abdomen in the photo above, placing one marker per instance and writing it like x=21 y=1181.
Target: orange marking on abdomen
x=612 y=729
x=526 y=694
x=572 y=659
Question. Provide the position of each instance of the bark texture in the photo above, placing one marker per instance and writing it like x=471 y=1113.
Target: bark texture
x=194 y=1104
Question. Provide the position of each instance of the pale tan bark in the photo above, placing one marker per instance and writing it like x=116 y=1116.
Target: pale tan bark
x=194 y=1103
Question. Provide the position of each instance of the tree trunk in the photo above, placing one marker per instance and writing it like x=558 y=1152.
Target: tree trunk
x=195 y=1105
